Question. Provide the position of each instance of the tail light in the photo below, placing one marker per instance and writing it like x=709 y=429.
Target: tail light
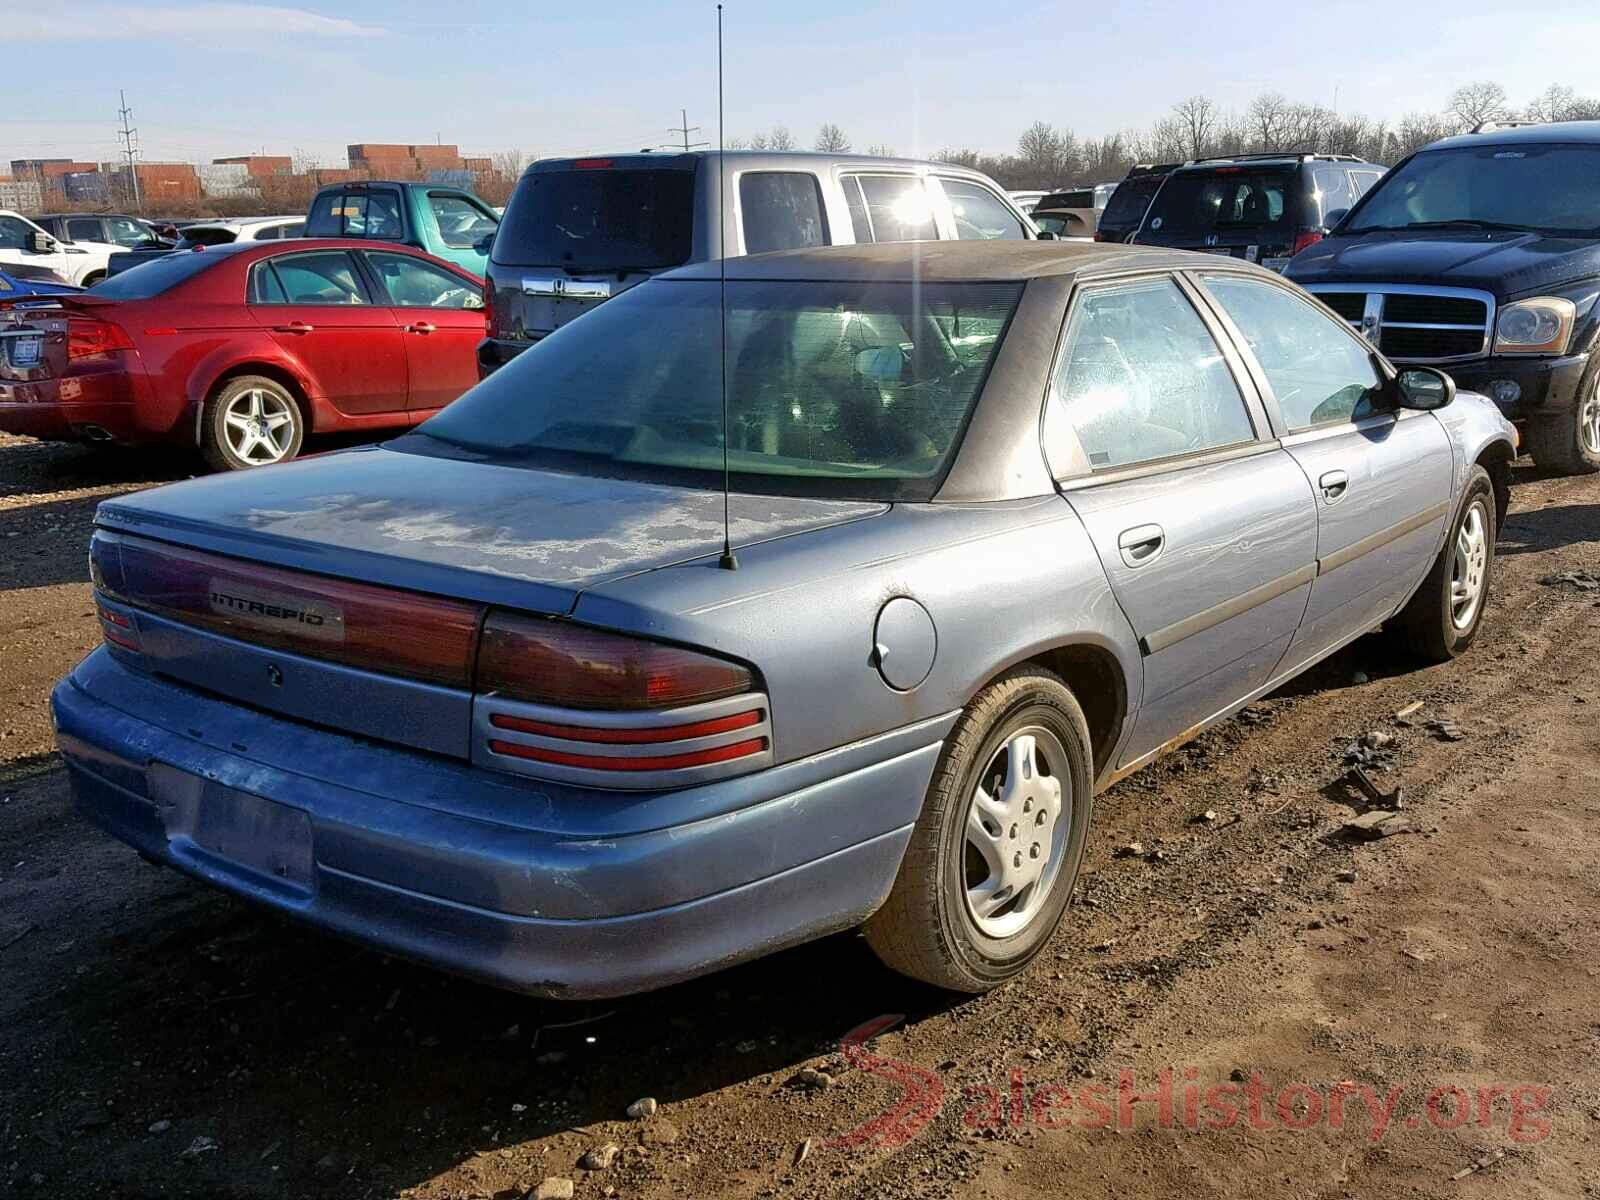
x=1100 y=237
x=92 y=337
x=563 y=702
x=569 y=666
x=117 y=629
x=1309 y=238
x=488 y=304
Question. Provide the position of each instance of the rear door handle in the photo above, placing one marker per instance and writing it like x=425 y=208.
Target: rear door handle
x=1334 y=485
x=294 y=327
x=421 y=327
x=1141 y=544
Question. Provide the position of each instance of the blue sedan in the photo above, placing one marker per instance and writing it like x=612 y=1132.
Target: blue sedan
x=525 y=694
x=19 y=282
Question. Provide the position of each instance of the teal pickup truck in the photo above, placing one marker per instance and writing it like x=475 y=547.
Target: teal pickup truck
x=449 y=222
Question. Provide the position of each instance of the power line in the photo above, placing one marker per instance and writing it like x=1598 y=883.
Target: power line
x=684 y=129
x=130 y=148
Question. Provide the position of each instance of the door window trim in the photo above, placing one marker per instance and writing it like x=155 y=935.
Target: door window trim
x=935 y=199
x=1380 y=365
x=1066 y=463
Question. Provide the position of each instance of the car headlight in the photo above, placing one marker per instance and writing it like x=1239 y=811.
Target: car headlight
x=1538 y=326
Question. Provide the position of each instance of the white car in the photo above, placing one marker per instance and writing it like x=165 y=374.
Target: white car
x=242 y=229
x=24 y=243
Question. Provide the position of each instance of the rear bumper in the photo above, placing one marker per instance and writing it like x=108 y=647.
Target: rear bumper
x=1545 y=385
x=90 y=407
x=561 y=892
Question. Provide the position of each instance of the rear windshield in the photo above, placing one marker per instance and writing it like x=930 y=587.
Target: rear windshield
x=1552 y=189
x=156 y=276
x=206 y=235
x=1128 y=202
x=855 y=390
x=1222 y=199
x=599 y=220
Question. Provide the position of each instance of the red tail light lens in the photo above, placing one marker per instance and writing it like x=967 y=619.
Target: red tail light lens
x=488 y=304
x=592 y=164
x=568 y=666
x=1309 y=238
x=90 y=337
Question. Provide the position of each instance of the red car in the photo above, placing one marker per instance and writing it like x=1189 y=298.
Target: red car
x=244 y=349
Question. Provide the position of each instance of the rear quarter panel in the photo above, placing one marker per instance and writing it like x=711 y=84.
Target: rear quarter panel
x=1003 y=582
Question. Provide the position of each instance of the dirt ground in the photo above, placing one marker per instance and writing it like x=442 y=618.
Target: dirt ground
x=1431 y=993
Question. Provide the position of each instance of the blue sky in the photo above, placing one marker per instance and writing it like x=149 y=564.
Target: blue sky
x=208 y=79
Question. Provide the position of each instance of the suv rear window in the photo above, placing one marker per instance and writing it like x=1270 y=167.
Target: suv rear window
x=1225 y=198
x=599 y=220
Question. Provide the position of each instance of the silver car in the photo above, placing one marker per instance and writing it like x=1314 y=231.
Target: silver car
x=525 y=694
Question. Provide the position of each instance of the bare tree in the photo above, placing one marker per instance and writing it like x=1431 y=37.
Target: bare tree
x=1472 y=104
x=1196 y=119
x=1046 y=153
x=832 y=140
x=1269 y=118
x=880 y=150
x=509 y=164
x=780 y=138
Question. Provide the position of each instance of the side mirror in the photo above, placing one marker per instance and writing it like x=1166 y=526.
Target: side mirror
x=1423 y=389
x=1334 y=217
x=1046 y=236
x=40 y=242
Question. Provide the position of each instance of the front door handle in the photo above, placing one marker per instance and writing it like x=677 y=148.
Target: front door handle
x=294 y=327
x=1334 y=485
x=421 y=327
x=1141 y=544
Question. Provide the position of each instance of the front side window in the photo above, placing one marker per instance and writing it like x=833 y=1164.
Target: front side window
x=1552 y=189
x=1141 y=378
x=1319 y=373
x=833 y=389
x=412 y=283
x=326 y=278
x=892 y=208
x=781 y=210
x=84 y=229
x=14 y=233
x=979 y=213
x=462 y=224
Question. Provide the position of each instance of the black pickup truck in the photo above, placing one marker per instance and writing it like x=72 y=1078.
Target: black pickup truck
x=1480 y=254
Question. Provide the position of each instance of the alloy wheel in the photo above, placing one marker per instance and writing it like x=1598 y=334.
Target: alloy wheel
x=1589 y=422
x=1016 y=827
x=1469 y=566
x=259 y=426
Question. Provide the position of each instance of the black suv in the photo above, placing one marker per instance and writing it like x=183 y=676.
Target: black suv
x=1264 y=208
x=1481 y=254
x=1120 y=218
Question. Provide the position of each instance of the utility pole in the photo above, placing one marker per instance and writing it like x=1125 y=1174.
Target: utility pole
x=684 y=129
x=130 y=149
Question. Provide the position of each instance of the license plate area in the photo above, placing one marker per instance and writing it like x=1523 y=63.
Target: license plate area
x=25 y=350
x=238 y=832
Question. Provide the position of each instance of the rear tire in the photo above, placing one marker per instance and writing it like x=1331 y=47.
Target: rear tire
x=1569 y=442
x=995 y=854
x=1441 y=620
x=250 y=421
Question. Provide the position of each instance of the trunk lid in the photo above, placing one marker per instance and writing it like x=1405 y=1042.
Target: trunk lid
x=513 y=536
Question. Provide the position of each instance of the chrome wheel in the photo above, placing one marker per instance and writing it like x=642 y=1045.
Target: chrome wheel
x=1589 y=423
x=259 y=426
x=1016 y=828
x=1469 y=566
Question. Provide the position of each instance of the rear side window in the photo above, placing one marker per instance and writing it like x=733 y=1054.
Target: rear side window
x=781 y=210
x=1229 y=198
x=979 y=213
x=156 y=276
x=599 y=220
x=318 y=278
x=1141 y=378
x=1128 y=202
x=890 y=208
x=1363 y=181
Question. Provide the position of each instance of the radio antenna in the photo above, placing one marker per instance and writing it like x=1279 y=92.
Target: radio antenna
x=727 y=562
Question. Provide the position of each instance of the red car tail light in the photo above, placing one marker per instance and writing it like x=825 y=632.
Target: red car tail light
x=651 y=762
x=357 y=624
x=570 y=666
x=91 y=337
x=1309 y=238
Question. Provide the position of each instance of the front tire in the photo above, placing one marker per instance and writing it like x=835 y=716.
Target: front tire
x=1441 y=620
x=996 y=852
x=251 y=421
x=1570 y=442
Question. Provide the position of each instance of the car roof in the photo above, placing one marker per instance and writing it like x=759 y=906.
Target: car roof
x=1512 y=135
x=746 y=159
x=951 y=262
